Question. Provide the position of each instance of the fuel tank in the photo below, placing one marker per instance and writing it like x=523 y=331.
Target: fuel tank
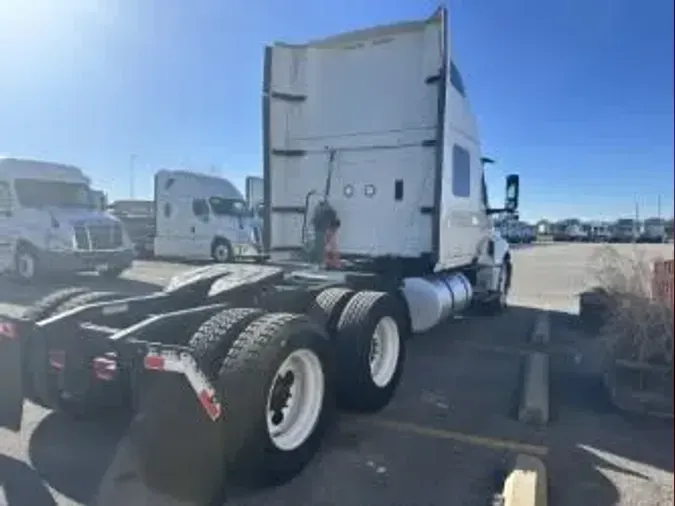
x=433 y=299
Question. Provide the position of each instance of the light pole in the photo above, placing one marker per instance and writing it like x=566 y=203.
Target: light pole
x=636 y=221
x=132 y=163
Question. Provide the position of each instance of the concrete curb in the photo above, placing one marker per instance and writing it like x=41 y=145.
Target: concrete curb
x=534 y=404
x=541 y=332
x=526 y=484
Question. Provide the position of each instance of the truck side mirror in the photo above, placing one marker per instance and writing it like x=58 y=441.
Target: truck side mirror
x=512 y=192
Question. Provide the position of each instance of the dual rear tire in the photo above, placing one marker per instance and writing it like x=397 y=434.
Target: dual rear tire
x=283 y=375
x=369 y=333
x=280 y=378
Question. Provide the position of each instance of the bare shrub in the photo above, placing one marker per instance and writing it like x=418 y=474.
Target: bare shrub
x=638 y=328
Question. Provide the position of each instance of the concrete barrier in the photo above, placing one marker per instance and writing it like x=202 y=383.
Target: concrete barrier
x=526 y=484
x=534 y=404
x=542 y=329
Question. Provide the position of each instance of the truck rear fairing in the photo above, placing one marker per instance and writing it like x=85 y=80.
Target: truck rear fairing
x=365 y=111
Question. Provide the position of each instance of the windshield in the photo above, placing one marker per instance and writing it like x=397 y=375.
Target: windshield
x=232 y=207
x=38 y=193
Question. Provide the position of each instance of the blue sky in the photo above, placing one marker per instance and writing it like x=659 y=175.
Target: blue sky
x=576 y=96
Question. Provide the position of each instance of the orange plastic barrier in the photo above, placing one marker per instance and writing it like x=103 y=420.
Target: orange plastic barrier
x=663 y=282
x=331 y=254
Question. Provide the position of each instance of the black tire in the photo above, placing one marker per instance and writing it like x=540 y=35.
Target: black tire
x=222 y=245
x=247 y=376
x=112 y=272
x=327 y=306
x=23 y=254
x=215 y=336
x=45 y=380
x=87 y=298
x=356 y=388
x=45 y=307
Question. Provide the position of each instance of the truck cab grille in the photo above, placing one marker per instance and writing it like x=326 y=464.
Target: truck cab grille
x=98 y=236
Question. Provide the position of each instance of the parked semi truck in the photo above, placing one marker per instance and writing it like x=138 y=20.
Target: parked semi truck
x=599 y=232
x=51 y=222
x=255 y=356
x=202 y=217
x=572 y=230
x=653 y=230
x=626 y=230
x=138 y=217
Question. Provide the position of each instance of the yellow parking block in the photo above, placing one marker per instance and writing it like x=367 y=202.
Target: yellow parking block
x=526 y=484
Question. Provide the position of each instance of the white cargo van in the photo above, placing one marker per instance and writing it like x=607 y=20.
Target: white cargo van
x=201 y=217
x=49 y=221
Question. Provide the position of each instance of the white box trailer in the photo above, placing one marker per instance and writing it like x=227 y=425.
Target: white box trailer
x=267 y=350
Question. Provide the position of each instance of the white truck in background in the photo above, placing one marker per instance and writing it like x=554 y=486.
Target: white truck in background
x=653 y=230
x=255 y=197
x=99 y=200
x=50 y=223
x=599 y=232
x=571 y=230
x=626 y=230
x=138 y=217
x=201 y=217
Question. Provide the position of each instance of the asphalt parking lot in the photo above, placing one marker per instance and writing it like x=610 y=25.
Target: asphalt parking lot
x=446 y=439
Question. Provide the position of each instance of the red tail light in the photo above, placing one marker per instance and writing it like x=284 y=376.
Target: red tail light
x=153 y=362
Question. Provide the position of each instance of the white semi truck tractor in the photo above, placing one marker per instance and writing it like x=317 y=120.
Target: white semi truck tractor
x=368 y=133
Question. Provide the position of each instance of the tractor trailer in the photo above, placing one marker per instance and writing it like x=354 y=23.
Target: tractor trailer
x=256 y=357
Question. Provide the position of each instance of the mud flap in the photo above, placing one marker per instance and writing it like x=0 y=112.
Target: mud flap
x=179 y=449
x=11 y=376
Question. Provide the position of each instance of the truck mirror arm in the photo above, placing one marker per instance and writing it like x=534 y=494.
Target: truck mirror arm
x=491 y=211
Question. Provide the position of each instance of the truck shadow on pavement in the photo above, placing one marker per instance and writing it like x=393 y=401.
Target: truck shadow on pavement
x=600 y=455
x=22 y=486
x=72 y=455
x=594 y=452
